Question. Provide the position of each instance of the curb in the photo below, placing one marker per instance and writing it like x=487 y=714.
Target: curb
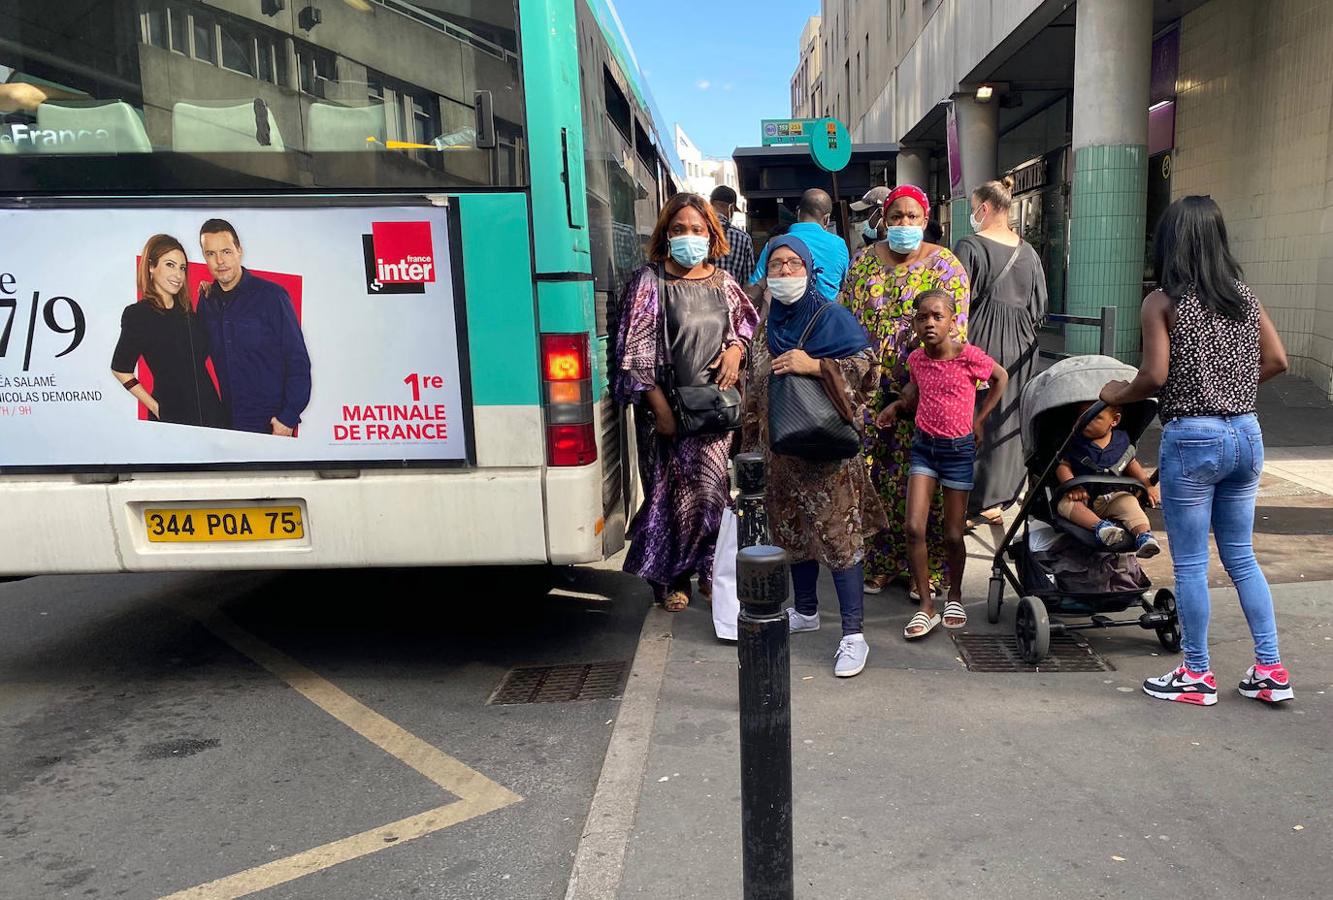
x=599 y=861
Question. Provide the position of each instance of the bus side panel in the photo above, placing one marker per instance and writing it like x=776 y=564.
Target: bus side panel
x=555 y=135
x=502 y=330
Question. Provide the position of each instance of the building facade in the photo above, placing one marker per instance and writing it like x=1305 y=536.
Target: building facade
x=704 y=173
x=1105 y=112
x=807 y=84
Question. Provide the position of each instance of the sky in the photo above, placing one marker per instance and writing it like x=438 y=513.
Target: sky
x=717 y=67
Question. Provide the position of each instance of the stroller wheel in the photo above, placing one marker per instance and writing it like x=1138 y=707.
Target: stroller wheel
x=1032 y=629
x=1168 y=634
x=994 y=600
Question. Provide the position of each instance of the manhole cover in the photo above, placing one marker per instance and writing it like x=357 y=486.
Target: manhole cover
x=999 y=653
x=560 y=684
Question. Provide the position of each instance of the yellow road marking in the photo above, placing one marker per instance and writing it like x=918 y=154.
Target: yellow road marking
x=477 y=795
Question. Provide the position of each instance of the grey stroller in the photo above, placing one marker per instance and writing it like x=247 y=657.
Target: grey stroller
x=1056 y=567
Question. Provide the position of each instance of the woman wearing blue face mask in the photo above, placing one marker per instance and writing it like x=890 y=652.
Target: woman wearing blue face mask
x=701 y=322
x=881 y=289
x=821 y=512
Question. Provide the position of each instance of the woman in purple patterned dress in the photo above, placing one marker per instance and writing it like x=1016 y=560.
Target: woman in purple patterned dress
x=881 y=288
x=710 y=322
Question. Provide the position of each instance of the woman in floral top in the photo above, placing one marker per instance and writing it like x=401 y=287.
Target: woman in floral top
x=881 y=288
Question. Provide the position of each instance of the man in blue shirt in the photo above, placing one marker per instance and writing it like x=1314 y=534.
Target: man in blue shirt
x=828 y=250
x=254 y=339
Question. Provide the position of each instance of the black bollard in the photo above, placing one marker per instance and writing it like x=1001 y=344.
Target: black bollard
x=762 y=576
x=750 y=515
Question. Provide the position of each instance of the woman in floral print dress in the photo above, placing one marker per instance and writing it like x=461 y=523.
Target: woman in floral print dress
x=880 y=289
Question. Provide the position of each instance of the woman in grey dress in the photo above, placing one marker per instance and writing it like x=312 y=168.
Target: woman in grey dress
x=1008 y=304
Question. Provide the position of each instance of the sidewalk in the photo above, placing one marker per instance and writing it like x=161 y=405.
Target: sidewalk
x=919 y=778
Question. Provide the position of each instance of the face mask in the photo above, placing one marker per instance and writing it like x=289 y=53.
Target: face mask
x=975 y=222
x=905 y=238
x=788 y=290
x=870 y=231
x=689 y=249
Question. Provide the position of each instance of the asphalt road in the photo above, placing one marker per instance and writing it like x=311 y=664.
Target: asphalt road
x=298 y=736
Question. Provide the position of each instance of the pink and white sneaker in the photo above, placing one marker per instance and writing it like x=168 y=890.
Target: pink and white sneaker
x=1271 y=684
x=1183 y=686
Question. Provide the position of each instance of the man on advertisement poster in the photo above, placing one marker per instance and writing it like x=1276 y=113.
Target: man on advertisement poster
x=255 y=340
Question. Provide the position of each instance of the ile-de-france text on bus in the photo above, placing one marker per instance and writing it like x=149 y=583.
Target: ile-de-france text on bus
x=316 y=285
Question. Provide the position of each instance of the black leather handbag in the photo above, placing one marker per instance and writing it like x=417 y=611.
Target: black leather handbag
x=699 y=409
x=802 y=420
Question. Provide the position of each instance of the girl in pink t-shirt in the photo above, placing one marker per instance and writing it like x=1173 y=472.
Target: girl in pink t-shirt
x=943 y=391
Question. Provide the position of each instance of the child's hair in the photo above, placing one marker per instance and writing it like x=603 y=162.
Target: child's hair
x=935 y=294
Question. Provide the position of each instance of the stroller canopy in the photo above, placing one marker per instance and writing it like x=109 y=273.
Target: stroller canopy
x=1051 y=400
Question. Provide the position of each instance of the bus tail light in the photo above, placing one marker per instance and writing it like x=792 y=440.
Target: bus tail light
x=571 y=435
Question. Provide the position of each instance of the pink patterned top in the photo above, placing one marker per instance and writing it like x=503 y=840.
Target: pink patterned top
x=948 y=390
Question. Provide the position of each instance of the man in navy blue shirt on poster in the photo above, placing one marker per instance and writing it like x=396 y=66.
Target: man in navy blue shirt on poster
x=829 y=251
x=254 y=339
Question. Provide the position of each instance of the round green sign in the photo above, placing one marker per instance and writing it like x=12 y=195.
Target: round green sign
x=830 y=145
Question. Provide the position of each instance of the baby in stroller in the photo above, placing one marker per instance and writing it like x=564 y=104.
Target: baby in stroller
x=1103 y=449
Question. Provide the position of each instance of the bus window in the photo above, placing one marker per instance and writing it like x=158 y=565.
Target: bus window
x=182 y=96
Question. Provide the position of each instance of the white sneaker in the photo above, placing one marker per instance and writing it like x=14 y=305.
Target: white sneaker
x=851 y=656
x=797 y=622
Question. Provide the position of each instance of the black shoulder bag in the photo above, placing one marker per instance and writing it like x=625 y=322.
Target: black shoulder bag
x=802 y=420
x=699 y=409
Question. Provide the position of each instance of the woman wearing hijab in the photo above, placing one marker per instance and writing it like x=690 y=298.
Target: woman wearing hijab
x=881 y=289
x=820 y=512
x=709 y=321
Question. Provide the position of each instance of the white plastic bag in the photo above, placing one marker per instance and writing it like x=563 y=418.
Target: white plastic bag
x=726 y=605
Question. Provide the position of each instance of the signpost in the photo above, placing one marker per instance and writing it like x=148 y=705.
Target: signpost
x=829 y=142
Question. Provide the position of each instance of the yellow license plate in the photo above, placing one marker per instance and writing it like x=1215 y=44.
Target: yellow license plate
x=232 y=523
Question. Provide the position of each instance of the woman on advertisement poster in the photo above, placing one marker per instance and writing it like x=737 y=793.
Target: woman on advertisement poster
x=162 y=329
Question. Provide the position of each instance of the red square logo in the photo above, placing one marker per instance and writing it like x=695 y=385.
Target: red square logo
x=404 y=253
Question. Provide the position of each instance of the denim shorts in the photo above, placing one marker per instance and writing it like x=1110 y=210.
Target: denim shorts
x=948 y=460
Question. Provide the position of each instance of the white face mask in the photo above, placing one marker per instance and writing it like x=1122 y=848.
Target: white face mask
x=977 y=219
x=788 y=290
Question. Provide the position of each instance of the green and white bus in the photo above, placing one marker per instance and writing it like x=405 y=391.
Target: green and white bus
x=400 y=227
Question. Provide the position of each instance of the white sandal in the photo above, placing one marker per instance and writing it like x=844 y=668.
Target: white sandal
x=924 y=622
x=955 y=610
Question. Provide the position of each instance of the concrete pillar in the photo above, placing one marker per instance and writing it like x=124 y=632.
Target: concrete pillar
x=1112 y=69
x=913 y=167
x=979 y=144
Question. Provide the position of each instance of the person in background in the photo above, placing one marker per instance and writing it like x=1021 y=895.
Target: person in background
x=1008 y=305
x=739 y=261
x=872 y=229
x=163 y=330
x=820 y=512
x=828 y=250
x=709 y=322
x=881 y=291
x=1207 y=346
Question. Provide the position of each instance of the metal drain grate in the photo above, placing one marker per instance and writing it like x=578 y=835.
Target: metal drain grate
x=999 y=653
x=560 y=684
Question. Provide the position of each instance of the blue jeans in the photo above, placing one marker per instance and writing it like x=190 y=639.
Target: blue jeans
x=949 y=461
x=1210 y=477
x=850 y=583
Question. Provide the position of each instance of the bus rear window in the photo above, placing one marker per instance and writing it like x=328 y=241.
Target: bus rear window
x=172 y=96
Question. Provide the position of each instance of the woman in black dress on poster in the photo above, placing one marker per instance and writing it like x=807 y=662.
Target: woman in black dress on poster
x=163 y=329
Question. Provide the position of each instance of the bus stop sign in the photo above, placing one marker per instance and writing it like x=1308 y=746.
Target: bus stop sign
x=829 y=142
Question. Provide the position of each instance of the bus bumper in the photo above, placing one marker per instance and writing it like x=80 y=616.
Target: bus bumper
x=443 y=518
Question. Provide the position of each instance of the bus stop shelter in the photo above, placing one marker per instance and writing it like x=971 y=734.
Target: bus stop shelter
x=772 y=180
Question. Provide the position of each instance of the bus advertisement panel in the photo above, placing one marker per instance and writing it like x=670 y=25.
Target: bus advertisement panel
x=152 y=338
